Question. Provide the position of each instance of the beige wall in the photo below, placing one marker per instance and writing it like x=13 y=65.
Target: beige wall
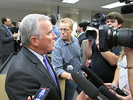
x=84 y=15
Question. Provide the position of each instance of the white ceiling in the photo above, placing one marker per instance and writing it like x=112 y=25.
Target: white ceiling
x=45 y=5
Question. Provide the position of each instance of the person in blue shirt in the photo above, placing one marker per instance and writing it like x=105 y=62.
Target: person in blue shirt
x=55 y=28
x=67 y=52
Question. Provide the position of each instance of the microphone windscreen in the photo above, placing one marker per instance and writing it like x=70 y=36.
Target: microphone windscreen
x=105 y=91
x=69 y=68
x=92 y=75
x=127 y=9
x=85 y=85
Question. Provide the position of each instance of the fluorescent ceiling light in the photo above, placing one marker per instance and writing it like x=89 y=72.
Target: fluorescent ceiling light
x=113 y=5
x=70 y=1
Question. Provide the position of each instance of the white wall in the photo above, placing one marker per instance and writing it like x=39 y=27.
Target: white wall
x=15 y=15
x=84 y=15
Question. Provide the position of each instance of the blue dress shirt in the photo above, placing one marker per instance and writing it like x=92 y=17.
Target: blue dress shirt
x=66 y=54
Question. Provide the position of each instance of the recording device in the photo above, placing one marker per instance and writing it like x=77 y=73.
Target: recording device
x=105 y=91
x=90 y=89
x=128 y=8
x=110 y=37
x=92 y=75
x=99 y=19
x=91 y=34
x=118 y=90
x=126 y=1
x=86 y=86
x=42 y=93
x=98 y=80
x=70 y=68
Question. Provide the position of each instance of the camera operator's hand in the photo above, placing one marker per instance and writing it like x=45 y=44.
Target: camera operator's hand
x=110 y=57
x=129 y=97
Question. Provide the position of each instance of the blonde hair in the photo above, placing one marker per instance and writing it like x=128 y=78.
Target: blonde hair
x=67 y=20
x=121 y=56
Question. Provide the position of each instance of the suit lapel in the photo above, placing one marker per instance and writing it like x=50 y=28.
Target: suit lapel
x=40 y=66
x=7 y=32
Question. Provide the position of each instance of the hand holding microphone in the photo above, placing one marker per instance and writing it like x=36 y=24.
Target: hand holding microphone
x=93 y=76
x=70 y=68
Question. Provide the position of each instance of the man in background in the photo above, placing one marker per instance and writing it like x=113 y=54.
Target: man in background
x=67 y=53
x=14 y=30
x=6 y=39
x=55 y=29
x=105 y=63
x=81 y=30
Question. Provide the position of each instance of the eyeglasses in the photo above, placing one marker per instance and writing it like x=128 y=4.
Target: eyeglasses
x=64 y=29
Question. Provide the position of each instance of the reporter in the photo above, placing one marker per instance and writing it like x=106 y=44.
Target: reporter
x=121 y=78
x=104 y=63
x=129 y=54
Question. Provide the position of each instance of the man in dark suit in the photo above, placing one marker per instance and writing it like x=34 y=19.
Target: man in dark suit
x=81 y=29
x=14 y=30
x=6 y=39
x=29 y=72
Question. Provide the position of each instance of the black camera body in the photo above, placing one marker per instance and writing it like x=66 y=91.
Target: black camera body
x=99 y=19
x=110 y=37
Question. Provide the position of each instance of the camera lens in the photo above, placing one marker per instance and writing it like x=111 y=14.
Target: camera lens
x=125 y=37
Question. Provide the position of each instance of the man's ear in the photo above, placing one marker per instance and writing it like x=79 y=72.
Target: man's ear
x=34 y=41
x=119 y=26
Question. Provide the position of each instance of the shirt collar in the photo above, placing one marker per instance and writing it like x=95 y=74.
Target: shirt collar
x=39 y=56
x=66 y=43
x=5 y=26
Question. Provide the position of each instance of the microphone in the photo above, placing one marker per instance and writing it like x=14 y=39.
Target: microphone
x=105 y=91
x=70 y=68
x=127 y=9
x=86 y=86
x=92 y=75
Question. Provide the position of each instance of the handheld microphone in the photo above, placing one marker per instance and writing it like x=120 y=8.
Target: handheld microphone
x=92 y=75
x=70 y=68
x=105 y=91
x=97 y=79
x=85 y=85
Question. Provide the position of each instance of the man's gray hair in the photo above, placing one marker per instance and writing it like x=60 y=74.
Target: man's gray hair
x=29 y=27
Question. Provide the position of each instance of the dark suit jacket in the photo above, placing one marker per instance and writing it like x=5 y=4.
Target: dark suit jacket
x=14 y=30
x=26 y=75
x=81 y=38
x=6 y=41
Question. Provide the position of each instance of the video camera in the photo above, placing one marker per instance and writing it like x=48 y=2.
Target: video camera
x=110 y=37
x=99 y=19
